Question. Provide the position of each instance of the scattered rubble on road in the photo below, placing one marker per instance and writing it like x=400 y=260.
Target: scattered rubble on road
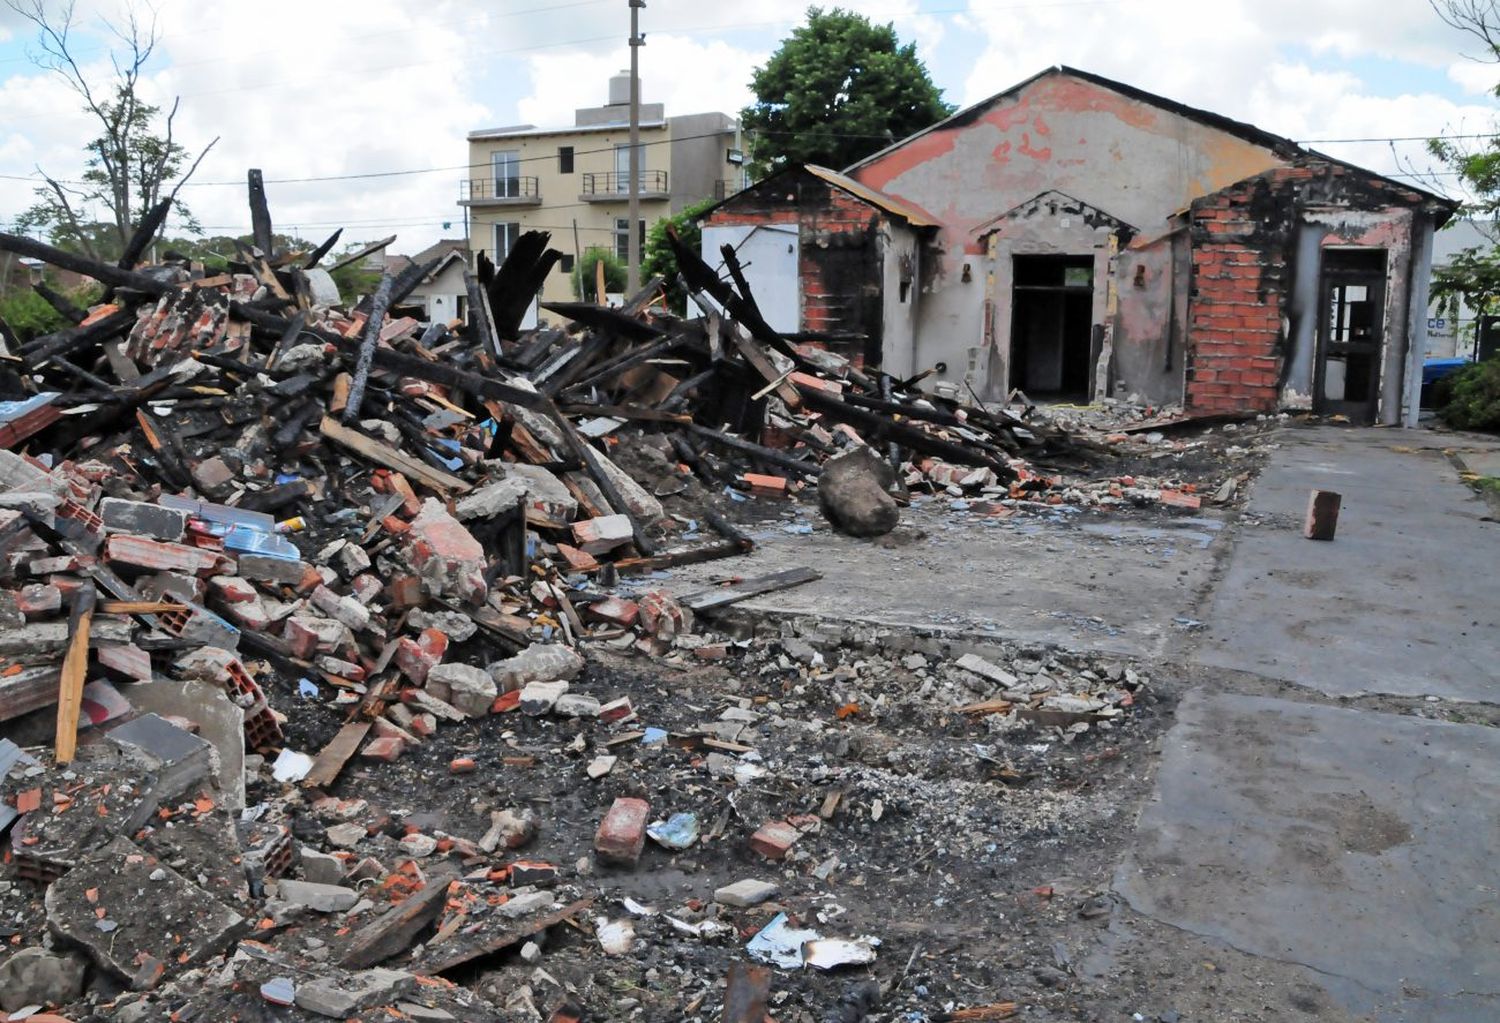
x=338 y=682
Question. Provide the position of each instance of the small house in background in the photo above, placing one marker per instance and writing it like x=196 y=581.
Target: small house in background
x=832 y=261
x=442 y=292
x=1075 y=238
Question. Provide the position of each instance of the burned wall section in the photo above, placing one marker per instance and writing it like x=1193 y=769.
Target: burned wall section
x=1249 y=298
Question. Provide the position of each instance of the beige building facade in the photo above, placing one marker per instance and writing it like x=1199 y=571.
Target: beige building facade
x=574 y=182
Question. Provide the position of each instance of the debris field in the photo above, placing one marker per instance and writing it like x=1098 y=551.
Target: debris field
x=340 y=676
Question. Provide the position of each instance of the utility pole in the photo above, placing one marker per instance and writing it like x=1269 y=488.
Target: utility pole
x=633 y=231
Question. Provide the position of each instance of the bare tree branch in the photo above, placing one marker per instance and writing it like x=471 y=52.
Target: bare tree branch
x=1478 y=18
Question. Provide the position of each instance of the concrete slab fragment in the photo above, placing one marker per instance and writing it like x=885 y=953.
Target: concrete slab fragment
x=1356 y=843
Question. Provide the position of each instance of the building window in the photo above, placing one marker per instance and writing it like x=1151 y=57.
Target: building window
x=505 y=237
x=565 y=159
x=622 y=237
x=622 y=166
x=505 y=173
x=566 y=264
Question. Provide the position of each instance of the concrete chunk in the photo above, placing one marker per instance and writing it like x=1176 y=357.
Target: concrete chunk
x=121 y=516
x=320 y=898
x=342 y=996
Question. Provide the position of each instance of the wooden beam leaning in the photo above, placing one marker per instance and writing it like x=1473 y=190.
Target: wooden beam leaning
x=74 y=673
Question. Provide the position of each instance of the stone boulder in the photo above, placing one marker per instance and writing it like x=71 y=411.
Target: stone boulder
x=34 y=976
x=854 y=493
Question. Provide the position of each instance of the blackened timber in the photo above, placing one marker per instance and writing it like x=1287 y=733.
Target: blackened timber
x=442 y=373
x=145 y=231
x=765 y=454
x=65 y=308
x=480 y=327
x=368 y=250
x=626 y=360
x=407 y=280
x=322 y=250
x=260 y=214
x=876 y=428
x=517 y=281
x=75 y=339
x=105 y=273
x=276 y=497
x=288 y=338
x=367 y=349
x=602 y=479
x=604 y=318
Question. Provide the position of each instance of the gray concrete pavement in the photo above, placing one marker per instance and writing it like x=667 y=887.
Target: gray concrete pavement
x=1405 y=601
x=1112 y=585
x=1356 y=843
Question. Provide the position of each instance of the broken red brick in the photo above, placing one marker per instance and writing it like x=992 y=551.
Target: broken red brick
x=615 y=610
x=417 y=657
x=578 y=561
x=617 y=710
x=1181 y=499
x=462 y=765
x=768 y=486
x=622 y=833
x=774 y=839
x=385 y=748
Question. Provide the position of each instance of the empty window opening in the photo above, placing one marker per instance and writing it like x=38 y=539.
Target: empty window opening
x=1052 y=308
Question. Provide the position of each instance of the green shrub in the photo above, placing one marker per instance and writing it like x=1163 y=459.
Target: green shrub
x=584 y=273
x=29 y=315
x=659 y=259
x=1473 y=397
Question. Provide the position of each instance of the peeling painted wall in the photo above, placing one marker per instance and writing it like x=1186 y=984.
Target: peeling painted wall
x=1136 y=161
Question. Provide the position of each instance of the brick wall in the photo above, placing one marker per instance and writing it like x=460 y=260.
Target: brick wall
x=1240 y=287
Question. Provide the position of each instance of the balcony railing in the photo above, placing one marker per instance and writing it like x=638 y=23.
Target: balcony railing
x=614 y=186
x=515 y=191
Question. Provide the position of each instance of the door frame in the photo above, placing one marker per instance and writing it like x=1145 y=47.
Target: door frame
x=1331 y=277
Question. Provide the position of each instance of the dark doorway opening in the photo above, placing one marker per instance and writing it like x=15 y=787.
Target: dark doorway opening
x=1051 y=332
x=1350 y=333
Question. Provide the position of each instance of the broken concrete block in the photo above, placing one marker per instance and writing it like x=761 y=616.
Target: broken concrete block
x=309 y=634
x=571 y=705
x=538 y=698
x=320 y=898
x=509 y=830
x=346 y=610
x=491 y=499
x=748 y=892
x=151 y=913
x=35 y=976
x=988 y=671
x=540 y=662
x=121 y=516
x=268 y=569
x=469 y=689
x=854 y=493
x=457 y=627
x=38 y=600
x=526 y=903
x=342 y=996
x=321 y=868
x=180 y=760
x=602 y=534
x=220 y=721
x=622 y=833
x=445 y=554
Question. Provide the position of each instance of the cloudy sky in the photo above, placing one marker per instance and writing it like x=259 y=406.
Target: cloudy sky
x=381 y=93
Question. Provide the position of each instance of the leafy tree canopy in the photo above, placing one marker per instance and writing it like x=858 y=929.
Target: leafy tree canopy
x=660 y=261
x=838 y=89
x=584 y=274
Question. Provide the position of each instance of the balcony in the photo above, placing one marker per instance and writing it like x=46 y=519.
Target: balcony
x=615 y=187
x=499 y=192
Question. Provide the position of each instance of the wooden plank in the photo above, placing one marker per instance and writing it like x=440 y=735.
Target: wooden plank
x=336 y=754
x=355 y=257
x=394 y=930
x=390 y=458
x=74 y=671
x=775 y=379
x=720 y=596
x=746 y=993
x=139 y=607
x=503 y=940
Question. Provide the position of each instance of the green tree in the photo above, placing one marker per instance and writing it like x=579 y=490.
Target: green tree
x=133 y=163
x=838 y=89
x=584 y=274
x=31 y=316
x=660 y=261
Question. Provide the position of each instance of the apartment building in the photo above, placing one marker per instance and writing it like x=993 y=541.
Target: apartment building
x=574 y=182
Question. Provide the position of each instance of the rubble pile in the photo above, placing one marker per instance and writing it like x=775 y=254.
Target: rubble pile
x=295 y=598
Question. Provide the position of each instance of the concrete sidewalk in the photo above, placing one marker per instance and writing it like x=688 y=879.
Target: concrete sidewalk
x=1355 y=844
x=1405 y=601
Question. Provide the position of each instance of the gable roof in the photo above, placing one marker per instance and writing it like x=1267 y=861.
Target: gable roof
x=1061 y=200
x=1279 y=144
x=897 y=208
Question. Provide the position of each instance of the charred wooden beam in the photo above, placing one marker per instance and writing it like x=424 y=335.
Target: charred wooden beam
x=765 y=454
x=105 y=273
x=367 y=349
x=260 y=215
x=144 y=233
x=65 y=308
x=322 y=250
